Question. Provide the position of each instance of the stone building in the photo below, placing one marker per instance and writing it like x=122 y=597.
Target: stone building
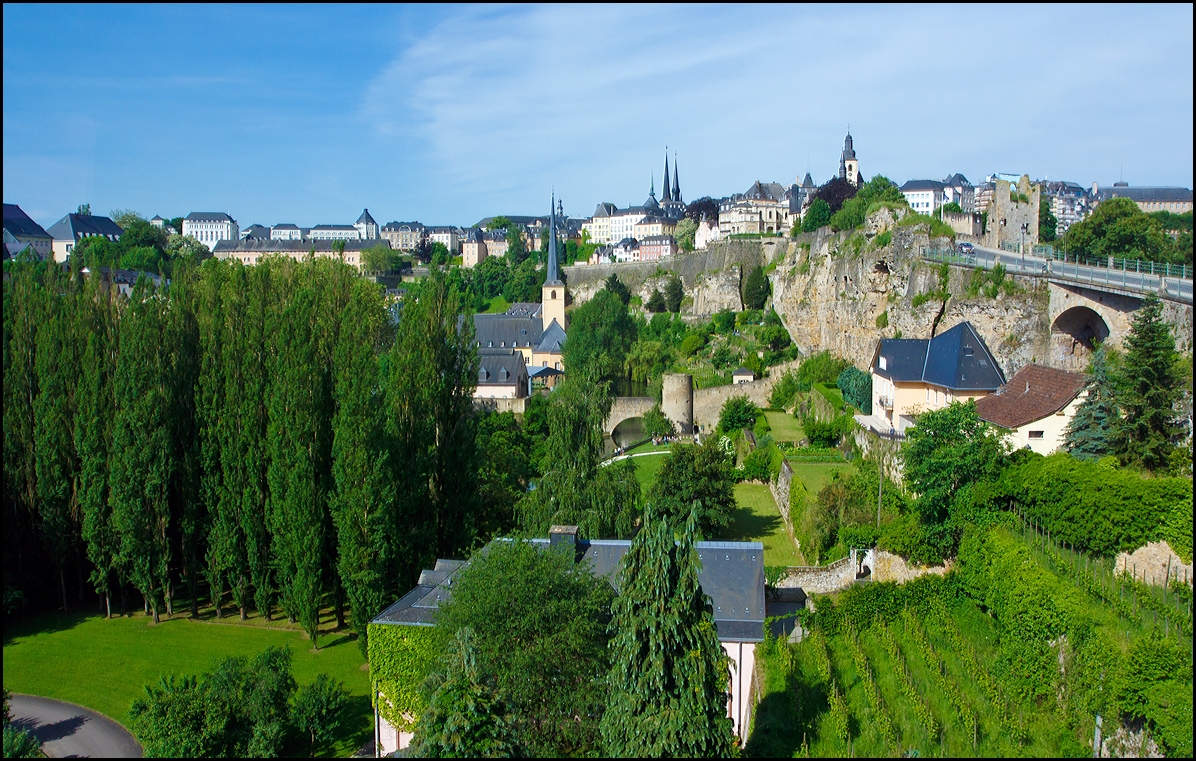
x=610 y=224
x=366 y=225
x=654 y=247
x=1174 y=200
x=765 y=207
x=403 y=236
x=1069 y=202
x=1013 y=216
x=473 y=248
x=849 y=165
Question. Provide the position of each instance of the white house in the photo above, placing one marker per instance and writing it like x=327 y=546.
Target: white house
x=73 y=228
x=334 y=232
x=286 y=231
x=924 y=196
x=210 y=227
x=1035 y=406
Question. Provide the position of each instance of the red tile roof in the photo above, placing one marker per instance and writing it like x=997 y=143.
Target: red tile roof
x=1032 y=394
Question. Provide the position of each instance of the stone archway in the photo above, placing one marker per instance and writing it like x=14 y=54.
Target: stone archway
x=1075 y=333
x=627 y=431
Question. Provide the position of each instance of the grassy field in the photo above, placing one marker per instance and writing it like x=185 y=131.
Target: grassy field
x=106 y=664
x=646 y=469
x=758 y=520
x=497 y=305
x=784 y=426
x=815 y=475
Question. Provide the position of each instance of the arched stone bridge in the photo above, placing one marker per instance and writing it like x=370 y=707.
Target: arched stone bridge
x=1081 y=317
x=625 y=408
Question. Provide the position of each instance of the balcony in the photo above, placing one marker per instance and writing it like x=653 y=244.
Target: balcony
x=885 y=402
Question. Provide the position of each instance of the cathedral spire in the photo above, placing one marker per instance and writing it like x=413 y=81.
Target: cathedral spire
x=676 y=181
x=668 y=196
x=553 y=275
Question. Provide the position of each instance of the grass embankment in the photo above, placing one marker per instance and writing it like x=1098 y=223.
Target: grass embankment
x=815 y=475
x=784 y=427
x=105 y=664
x=758 y=520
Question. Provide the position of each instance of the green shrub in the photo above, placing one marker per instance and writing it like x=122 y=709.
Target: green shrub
x=761 y=427
x=784 y=391
x=858 y=536
x=756 y=466
x=856 y=386
x=738 y=412
x=822 y=367
x=882 y=320
x=883 y=239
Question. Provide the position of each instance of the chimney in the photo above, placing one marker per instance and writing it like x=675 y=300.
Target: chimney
x=563 y=538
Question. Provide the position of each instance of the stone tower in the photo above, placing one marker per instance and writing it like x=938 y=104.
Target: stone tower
x=849 y=166
x=677 y=401
x=552 y=295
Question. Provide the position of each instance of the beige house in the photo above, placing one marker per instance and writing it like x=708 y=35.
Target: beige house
x=650 y=226
x=656 y=247
x=403 y=236
x=473 y=248
x=21 y=232
x=1036 y=406
x=915 y=375
x=1174 y=200
x=253 y=250
x=67 y=232
x=502 y=374
x=766 y=207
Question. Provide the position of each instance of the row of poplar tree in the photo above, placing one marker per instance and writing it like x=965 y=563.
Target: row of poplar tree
x=270 y=435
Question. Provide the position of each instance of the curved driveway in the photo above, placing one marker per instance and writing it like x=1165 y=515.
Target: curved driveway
x=66 y=729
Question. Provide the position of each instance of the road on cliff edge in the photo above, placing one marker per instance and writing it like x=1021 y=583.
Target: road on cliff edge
x=67 y=730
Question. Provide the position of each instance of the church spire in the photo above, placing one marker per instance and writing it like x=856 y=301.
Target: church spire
x=553 y=275
x=667 y=193
x=676 y=181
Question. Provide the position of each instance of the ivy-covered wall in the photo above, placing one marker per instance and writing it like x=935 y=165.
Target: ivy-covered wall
x=401 y=657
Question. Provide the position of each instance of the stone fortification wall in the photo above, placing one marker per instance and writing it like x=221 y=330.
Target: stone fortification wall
x=836 y=576
x=1006 y=217
x=711 y=277
x=780 y=490
x=677 y=401
x=708 y=402
x=963 y=223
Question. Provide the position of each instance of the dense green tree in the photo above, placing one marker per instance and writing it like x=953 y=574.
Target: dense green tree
x=524 y=282
x=823 y=367
x=685 y=233
x=57 y=466
x=669 y=679
x=298 y=493
x=600 y=333
x=467 y=716
x=574 y=490
x=947 y=450
x=490 y=277
x=516 y=245
x=506 y=468
x=20 y=743
x=836 y=191
x=1118 y=228
x=1090 y=433
x=704 y=207
x=141 y=447
x=1150 y=386
x=738 y=412
x=96 y=335
x=818 y=214
x=755 y=289
x=362 y=503
x=655 y=422
x=856 y=386
x=656 y=303
x=704 y=475
x=539 y=624
x=881 y=189
x=1048 y=223
x=674 y=293
x=616 y=286
x=319 y=709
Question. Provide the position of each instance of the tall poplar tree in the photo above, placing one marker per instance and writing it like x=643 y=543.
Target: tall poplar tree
x=1150 y=387
x=669 y=679
x=96 y=330
x=295 y=514
x=363 y=501
x=57 y=467
x=142 y=446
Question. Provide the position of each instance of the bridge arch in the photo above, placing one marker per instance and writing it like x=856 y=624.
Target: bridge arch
x=1083 y=324
x=624 y=408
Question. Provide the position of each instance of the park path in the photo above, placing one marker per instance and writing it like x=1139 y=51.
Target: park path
x=67 y=730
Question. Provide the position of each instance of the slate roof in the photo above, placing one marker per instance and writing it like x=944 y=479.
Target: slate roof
x=506 y=331
x=77 y=226
x=365 y=218
x=1033 y=393
x=500 y=368
x=525 y=309
x=255 y=231
x=265 y=246
x=957 y=179
x=955 y=359
x=21 y=225
x=765 y=191
x=732 y=576
x=393 y=226
x=1146 y=195
x=334 y=227
x=209 y=216
x=916 y=185
x=285 y=226
x=553 y=339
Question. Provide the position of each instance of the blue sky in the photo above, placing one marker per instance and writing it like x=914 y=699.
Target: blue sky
x=307 y=114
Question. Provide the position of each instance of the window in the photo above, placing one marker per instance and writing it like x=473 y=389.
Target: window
x=1036 y=434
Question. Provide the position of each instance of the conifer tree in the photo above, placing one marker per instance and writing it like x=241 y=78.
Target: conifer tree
x=466 y=714
x=669 y=678
x=24 y=304
x=141 y=447
x=57 y=467
x=363 y=499
x=96 y=331
x=1150 y=387
x=1089 y=436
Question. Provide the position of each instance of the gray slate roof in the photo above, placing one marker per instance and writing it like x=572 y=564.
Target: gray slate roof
x=21 y=225
x=915 y=185
x=365 y=218
x=265 y=246
x=209 y=216
x=500 y=368
x=956 y=359
x=77 y=226
x=732 y=576
x=1146 y=195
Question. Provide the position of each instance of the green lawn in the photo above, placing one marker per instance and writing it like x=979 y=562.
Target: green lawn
x=832 y=394
x=758 y=520
x=784 y=426
x=497 y=305
x=647 y=467
x=105 y=664
x=815 y=475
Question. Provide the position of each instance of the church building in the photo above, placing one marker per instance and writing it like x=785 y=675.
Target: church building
x=525 y=339
x=849 y=166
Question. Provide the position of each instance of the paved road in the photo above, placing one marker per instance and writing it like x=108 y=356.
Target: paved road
x=67 y=730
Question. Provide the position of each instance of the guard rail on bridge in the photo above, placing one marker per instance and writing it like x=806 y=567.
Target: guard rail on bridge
x=1126 y=276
